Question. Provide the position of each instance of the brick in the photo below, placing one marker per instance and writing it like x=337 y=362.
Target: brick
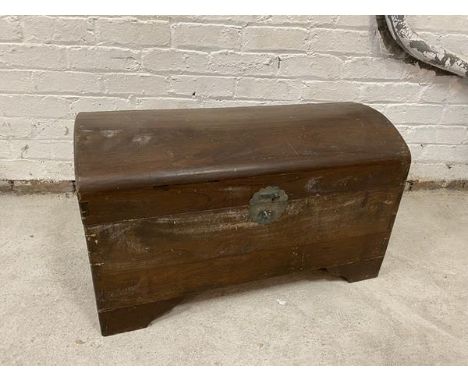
x=219 y=19
x=458 y=92
x=439 y=171
x=320 y=20
x=98 y=104
x=315 y=66
x=37 y=169
x=247 y=64
x=147 y=17
x=213 y=102
x=343 y=41
x=439 y=153
x=10 y=29
x=34 y=106
x=436 y=91
x=356 y=21
x=162 y=60
x=5 y=149
x=455 y=115
x=135 y=84
x=390 y=92
x=17 y=56
x=131 y=32
x=66 y=82
x=35 y=128
x=15 y=81
x=271 y=89
x=48 y=29
x=413 y=114
x=37 y=149
x=301 y=20
x=206 y=36
x=15 y=127
x=448 y=135
x=378 y=69
x=201 y=86
x=166 y=103
x=416 y=151
x=103 y=59
x=331 y=91
x=52 y=129
x=274 y=39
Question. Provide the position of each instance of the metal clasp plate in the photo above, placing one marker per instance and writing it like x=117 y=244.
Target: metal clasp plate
x=267 y=205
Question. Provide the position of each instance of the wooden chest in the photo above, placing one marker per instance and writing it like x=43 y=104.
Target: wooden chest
x=175 y=202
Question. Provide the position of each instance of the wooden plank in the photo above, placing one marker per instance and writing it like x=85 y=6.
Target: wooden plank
x=108 y=207
x=120 y=286
x=214 y=233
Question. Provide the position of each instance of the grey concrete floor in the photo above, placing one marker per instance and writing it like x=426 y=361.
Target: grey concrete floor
x=415 y=312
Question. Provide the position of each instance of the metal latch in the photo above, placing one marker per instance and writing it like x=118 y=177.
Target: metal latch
x=267 y=205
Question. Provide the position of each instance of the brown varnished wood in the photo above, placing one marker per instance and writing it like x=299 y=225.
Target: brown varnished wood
x=161 y=147
x=198 y=236
x=133 y=317
x=104 y=207
x=358 y=271
x=125 y=286
x=164 y=198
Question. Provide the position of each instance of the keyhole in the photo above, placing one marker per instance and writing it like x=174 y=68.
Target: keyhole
x=265 y=215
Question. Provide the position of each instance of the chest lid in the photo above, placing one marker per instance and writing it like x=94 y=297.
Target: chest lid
x=128 y=149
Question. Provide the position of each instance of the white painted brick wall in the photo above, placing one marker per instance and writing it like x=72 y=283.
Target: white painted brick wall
x=52 y=67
